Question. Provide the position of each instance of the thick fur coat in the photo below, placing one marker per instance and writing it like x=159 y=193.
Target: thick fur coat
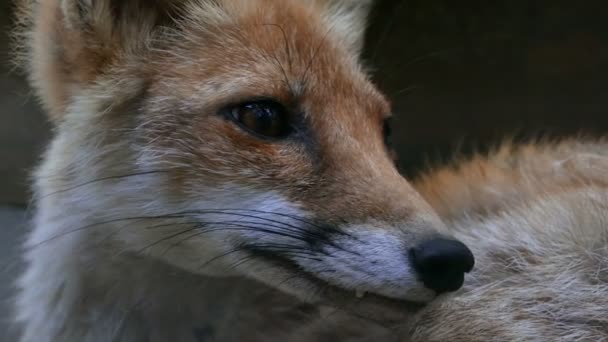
x=160 y=217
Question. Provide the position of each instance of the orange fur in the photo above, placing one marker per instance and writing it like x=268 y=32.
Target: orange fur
x=138 y=92
x=158 y=194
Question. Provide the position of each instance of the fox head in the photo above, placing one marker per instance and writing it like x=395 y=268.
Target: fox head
x=233 y=137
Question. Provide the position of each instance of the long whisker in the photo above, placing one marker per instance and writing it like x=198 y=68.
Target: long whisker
x=232 y=226
x=279 y=247
x=274 y=55
x=232 y=251
x=166 y=238
x=308 y=232
x=261 y=224
x=304 y=79
x=286 y=42
x=103 y=179
x=101 y=223
x=180 y=241
x=243 y=260
x=243 y=247
x=291 y=216
x=205 y=231
x=386 y=30
x=304 y=233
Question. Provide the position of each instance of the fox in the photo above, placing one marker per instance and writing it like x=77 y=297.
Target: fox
x=222 y=170
x=208 y=149
x=536 y=217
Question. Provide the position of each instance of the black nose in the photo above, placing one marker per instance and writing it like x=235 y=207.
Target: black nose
x=442 y=263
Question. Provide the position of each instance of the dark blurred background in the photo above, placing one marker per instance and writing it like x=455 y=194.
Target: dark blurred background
x=461 y=74
x=23 y=127
x=465 y=74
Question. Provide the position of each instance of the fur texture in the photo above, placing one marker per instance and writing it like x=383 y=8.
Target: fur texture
x=536 y=217
x=157 y=219
x=149 y=181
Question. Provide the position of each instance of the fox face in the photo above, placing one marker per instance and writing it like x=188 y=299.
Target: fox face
x=233 y=137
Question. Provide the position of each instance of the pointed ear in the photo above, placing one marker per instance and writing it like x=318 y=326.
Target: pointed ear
x=348 y=18
x=116 y=21
x=68 y=43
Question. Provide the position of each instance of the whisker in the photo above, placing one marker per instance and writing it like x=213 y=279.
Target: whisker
x=300 y=219
x=294 y=250
x=291 y=216
x=386 y=30
x=425 y=57
x=242 y=261
x=124 y=226
x=286 y=42
x=274 y=55
x=241 y=222
x=177 y=215
x=249 y=257
x=408 y=90
x=295 y=255
x=308 y=233
x=172 y=224
x=232 y=251
x=291 y=277
x=304 y=79
x=260 y=224
x=88 y=226
x=103 y=179
x=180 y=241
x=282 y=247
x=171 y=236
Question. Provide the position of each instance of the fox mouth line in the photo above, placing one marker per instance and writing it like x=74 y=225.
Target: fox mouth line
x=333 y=294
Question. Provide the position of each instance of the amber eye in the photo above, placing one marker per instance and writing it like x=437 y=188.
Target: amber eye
x=265 y=118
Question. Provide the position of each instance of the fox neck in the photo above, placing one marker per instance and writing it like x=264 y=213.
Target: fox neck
x=92 y=290
x=91 y=270
x=82 y=266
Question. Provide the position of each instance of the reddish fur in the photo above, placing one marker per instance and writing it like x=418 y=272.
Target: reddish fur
x=147 y=92
x=314 y=72
x=118 y=87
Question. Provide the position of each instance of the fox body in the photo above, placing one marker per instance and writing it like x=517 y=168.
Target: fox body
x=219 y=170
x=536 y=218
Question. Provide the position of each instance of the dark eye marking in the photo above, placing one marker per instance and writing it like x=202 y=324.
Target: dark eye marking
x=387 y=132
x=387 y=136
x=264 y=118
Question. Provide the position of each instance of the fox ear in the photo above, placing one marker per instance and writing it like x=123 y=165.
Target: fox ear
x=348 y=18
x=116 y=21
x=67 y=43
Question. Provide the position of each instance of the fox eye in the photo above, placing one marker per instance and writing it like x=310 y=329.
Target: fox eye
x=265 y=118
